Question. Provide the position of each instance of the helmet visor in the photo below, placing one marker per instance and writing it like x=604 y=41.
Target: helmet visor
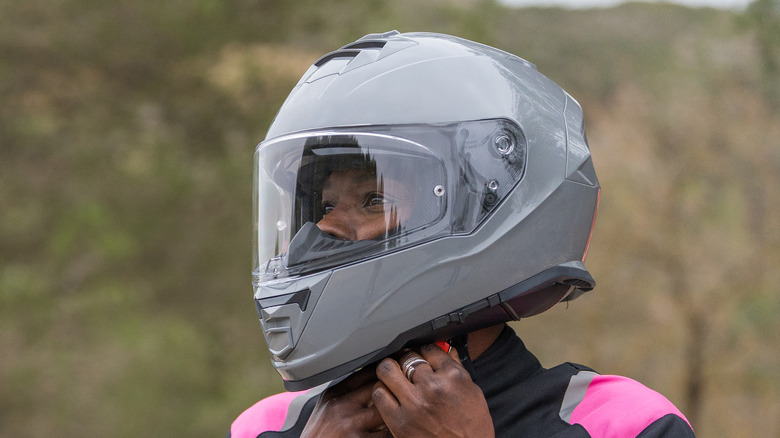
x=333 y=197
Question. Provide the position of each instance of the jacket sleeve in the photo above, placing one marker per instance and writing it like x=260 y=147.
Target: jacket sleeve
x=268 y=414
x=614 y=406
x=668 y=426
x=279 y=415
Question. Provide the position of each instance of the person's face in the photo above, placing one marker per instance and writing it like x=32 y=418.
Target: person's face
x=356 y=206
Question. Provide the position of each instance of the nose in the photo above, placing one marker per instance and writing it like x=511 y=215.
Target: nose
x=336 y=223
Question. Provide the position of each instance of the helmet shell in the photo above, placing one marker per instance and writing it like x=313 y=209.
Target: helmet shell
x=526 y=256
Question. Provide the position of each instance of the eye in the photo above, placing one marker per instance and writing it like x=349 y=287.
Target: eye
x=374 y=199
x=327 y=207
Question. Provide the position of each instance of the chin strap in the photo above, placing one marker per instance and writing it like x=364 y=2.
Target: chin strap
x=461 y=345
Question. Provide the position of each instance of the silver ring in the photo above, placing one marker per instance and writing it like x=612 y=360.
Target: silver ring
x=409 y=364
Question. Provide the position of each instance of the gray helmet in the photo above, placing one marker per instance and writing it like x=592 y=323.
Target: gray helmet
x=413 y=188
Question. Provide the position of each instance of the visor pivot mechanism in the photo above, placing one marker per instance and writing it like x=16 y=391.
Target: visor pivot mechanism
x=438 y=190
x=491 y=195
x=504 y=144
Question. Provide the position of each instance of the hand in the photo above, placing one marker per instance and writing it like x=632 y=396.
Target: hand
x=441 y=400
x=346 y=410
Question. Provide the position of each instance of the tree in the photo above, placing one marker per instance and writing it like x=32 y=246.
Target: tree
x=763 y=17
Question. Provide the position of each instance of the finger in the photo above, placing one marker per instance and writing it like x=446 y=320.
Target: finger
x=369 y=417
x=435 y=356
x=453 y=353
x=414 y=366
x=357 y=411
x=384 y=400
x=443 y=363
x=359 y=378
x=381 y=431
x=361 y=396
x=356 y=408
x=389 y=373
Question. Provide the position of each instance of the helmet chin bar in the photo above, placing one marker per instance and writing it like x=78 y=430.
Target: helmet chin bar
x=527 y=298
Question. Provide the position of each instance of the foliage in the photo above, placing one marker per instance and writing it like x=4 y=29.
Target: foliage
x=126 y=132
x=764 y=17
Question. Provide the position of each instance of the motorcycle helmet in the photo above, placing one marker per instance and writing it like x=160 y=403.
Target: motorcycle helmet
x=413 y=188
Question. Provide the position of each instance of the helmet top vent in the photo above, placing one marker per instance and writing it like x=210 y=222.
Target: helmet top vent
x=341 y=53
x=368 y=49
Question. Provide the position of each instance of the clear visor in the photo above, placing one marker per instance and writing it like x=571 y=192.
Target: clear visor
x=323 y=199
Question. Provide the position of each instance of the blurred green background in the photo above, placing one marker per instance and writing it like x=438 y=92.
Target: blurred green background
x=126 y=136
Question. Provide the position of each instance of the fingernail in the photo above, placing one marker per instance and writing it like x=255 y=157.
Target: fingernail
x=384 y=365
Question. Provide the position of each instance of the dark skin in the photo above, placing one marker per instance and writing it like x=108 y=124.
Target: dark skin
x=440 y=400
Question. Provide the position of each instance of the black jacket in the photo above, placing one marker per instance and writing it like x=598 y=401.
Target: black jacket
x=525 y=400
